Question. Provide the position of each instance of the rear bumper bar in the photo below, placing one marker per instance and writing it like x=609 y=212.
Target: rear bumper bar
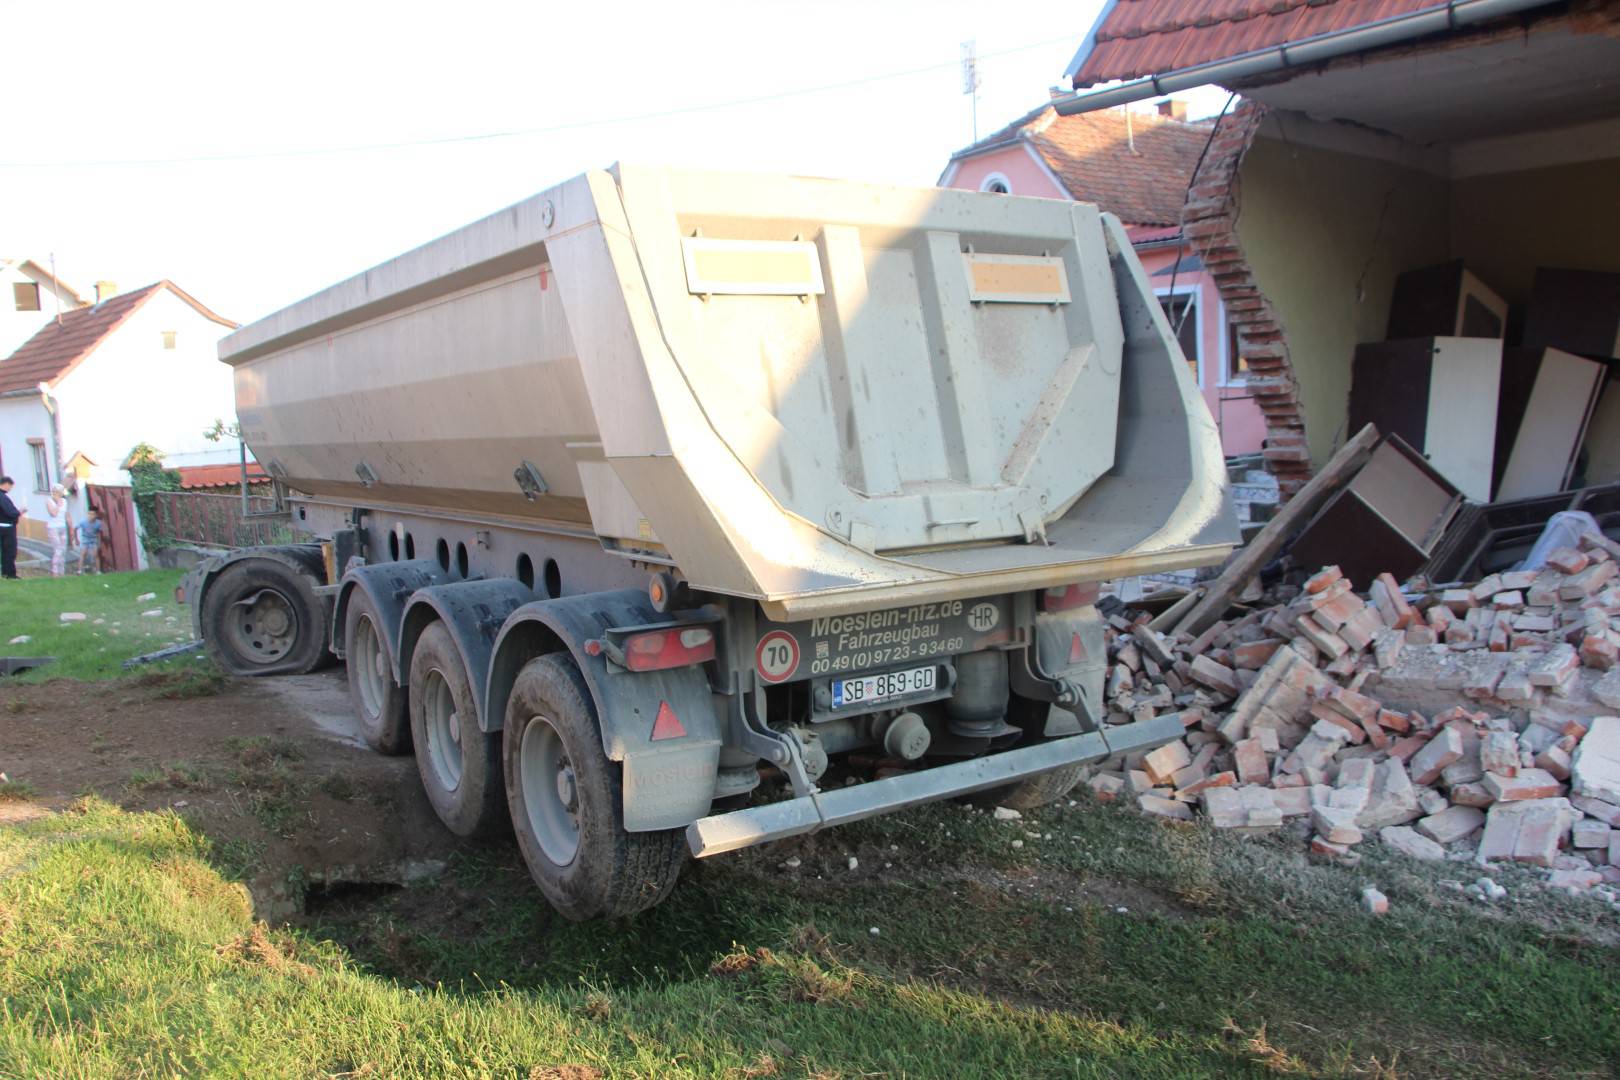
x=792 y=817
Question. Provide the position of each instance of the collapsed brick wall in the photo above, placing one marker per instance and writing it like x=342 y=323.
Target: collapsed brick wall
x=1210 y=225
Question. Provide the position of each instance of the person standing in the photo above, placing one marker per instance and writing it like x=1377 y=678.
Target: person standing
x=56 y=529
x=90 y=540
x=9 y=515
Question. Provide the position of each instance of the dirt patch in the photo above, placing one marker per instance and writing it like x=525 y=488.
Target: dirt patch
x=818 y=865
x=261 y=767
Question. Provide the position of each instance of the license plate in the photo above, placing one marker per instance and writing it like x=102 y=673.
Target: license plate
x=871 y=689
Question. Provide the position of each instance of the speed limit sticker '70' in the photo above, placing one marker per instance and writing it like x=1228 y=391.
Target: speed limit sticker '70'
x=777 y=656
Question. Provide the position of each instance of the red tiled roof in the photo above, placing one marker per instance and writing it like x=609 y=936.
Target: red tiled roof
x=1091 y=153
x=211 y=476
x=63 y=343
x=1133 y=38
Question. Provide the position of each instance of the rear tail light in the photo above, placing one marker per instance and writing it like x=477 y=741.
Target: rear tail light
x=657 y=650
x=1065 y=597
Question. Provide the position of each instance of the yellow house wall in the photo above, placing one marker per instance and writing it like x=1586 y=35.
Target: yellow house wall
x=1325 y=234
x=1505 y=225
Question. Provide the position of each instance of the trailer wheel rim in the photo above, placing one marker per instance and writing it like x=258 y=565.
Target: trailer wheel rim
x=443 y=729
x=263 y=627
x=550 y=791
x=367 y=657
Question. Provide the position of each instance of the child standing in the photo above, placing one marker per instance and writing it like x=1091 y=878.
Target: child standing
x=90 y=540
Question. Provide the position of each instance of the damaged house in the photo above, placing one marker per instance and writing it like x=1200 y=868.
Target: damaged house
x=1408 y=210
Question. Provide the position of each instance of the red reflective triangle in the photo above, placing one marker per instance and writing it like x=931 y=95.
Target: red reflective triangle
x=1077 y=650
x=667 y=726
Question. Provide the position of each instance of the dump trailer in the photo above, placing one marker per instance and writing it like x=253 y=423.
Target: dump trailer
x=633 y=507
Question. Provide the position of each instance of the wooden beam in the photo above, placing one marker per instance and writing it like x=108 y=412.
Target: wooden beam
x=1298 y=511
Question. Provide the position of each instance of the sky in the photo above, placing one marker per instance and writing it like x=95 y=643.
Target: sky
x=255 y=154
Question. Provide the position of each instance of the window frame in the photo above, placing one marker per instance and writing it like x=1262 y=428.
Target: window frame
x=1195 y=293
x=41 y=464
x=996 y=178
x=17 y=290
x=1230 y=352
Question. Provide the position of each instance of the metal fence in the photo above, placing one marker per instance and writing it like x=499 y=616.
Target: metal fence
x=200 y=517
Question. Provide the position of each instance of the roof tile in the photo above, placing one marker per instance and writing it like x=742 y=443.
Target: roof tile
x=60 y=344
x=1092 y=154
x=63 y=343
x=1150 y=37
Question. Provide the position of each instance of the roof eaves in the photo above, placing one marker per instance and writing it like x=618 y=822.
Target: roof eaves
x=1006 y=135
x=194 y=302
x=1089 y=42
x=56 y=282
x=987 y=146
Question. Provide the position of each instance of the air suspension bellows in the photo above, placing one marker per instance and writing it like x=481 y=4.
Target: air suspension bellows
x=979 y=706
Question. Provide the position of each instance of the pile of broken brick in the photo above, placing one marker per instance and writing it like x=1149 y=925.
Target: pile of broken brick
x=1455 y=723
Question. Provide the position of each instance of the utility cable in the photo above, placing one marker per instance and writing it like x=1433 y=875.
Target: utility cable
x=549 y=129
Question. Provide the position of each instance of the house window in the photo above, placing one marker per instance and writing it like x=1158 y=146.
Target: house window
x=42 y=475
x=996 y=184
x=1181 y=311
x=1237 y=368
x=168 y=339
x=25 y=294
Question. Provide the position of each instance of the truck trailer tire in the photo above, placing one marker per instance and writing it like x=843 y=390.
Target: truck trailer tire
x=460 y=764
x=380 y=707
x=262 y=617
x=566 y=801
x=1042 y=790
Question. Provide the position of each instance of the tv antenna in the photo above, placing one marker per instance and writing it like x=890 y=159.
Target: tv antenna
x=970 y=79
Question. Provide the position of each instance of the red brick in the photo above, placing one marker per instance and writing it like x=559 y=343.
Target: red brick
x=1420 y=635
x=1323 y=578
x=1220 y=779
x=1394 y=721
x=1349 y=703
x=1360 y=630
x=1375 y=734
x=1338 y=611
x=1249 y=757
x=1405 y=748
x=1528 y=784
x=1163 y=763
x=1405 y=615
x=1555 y=761
x=1350 y=727
x=1217 y=677
x=1567 y=560
x=1598 y=652
x=1328 y=642
x=1254 y=654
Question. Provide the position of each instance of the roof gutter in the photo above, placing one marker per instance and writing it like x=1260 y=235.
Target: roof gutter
x=1175 y=241
x=1292 y=54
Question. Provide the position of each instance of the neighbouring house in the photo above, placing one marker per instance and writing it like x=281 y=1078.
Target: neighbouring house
x=30 y=296
x=1409 y=212
x=219 y=469
x=1135 y=165
x=93 y=382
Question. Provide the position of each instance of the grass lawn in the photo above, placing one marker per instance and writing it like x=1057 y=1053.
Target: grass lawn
x=113 y=629
x=124 y=952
